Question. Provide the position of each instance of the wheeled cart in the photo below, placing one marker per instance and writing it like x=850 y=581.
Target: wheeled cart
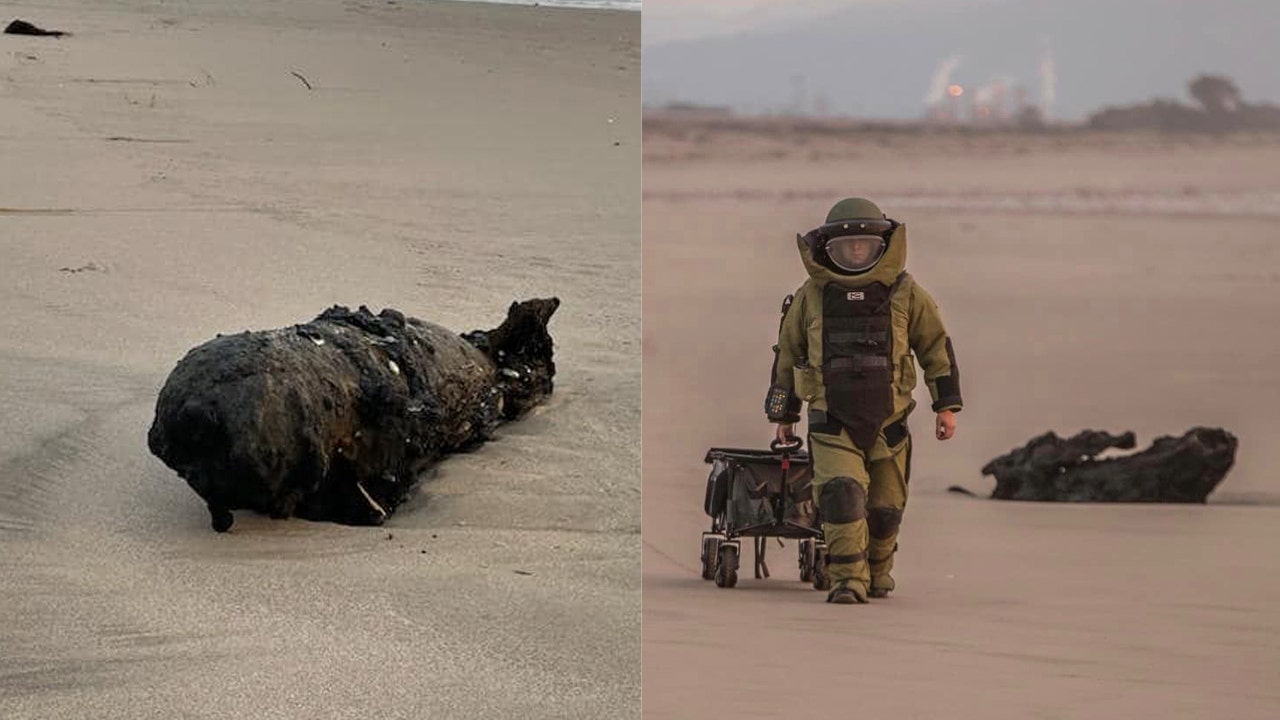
x=761 y=494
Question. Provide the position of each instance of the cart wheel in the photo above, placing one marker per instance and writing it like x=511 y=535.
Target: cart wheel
x=727 y=567
x=806 y=561
x=710 y=553
x=820 y=579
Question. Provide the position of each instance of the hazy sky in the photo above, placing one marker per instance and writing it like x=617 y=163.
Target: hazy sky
x=881 y=58
x=666 y=20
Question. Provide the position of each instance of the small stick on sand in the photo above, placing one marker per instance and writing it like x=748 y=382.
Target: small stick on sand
x=304 y=80
x=372 y=503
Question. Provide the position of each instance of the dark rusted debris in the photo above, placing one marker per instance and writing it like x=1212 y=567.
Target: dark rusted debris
x=1173 y=470
x=335 y=419
x=22 y=27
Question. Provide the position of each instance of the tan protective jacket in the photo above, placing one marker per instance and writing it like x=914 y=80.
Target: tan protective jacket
x=916 y=328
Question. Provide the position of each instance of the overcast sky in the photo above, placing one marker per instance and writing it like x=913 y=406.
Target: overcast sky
x=883 y=58
x=666 y=20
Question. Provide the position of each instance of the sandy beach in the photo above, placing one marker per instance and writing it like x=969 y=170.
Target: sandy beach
x=169 y=175
x=1123 y=282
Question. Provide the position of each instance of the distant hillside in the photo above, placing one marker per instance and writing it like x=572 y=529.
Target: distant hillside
x=877 y=61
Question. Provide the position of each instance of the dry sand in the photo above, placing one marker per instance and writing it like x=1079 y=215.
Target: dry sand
x=1123 y=282
x=167 y=178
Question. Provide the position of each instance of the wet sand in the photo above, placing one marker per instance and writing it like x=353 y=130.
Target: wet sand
x=1109 y=282
x=169 y=178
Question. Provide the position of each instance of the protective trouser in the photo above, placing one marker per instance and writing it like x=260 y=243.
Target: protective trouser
x=861 y=502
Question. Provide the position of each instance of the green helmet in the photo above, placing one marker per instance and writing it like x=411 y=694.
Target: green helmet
x=853 y=239
x=854 y=209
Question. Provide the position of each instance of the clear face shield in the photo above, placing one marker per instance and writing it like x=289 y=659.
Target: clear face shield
x=855 y=253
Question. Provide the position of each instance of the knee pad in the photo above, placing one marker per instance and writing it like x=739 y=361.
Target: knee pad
x=842 y=500
x=883 y=522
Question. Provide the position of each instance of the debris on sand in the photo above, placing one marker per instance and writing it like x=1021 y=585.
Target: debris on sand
x=336 y=418
x=87 y=267
x=22 y=27
x=1173 y=470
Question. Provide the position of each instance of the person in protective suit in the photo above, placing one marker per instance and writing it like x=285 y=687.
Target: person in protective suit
x=845 y=347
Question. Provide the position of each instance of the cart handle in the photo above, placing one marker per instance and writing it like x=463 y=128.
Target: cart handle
x=786 y=448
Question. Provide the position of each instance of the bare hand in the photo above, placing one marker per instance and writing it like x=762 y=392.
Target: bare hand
x=946 y=425
x=786 y=433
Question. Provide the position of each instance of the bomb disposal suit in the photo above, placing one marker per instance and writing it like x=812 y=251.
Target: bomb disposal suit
x=845 y=347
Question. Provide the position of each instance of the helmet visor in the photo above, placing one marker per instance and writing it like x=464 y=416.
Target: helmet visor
x=855 y=253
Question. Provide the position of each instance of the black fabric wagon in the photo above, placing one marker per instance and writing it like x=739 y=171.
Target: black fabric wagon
x=761 y=494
